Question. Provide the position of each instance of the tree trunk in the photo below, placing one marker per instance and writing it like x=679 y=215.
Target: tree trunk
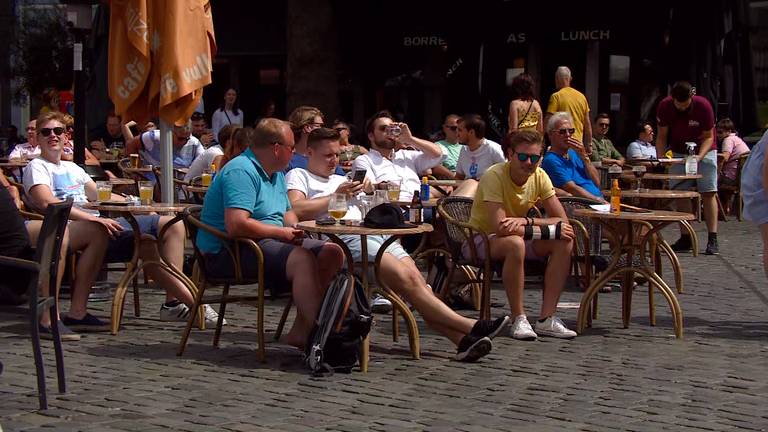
x=311 y=46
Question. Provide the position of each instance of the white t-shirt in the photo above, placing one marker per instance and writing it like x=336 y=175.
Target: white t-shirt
x=314 y=186
x=404 y=167
x=203 y=162
x=182 y=157
x=222 y=118
x=65 y=179
x=24 y=150
x=474 y=163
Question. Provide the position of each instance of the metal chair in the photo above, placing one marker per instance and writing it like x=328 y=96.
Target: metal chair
x=203 y=277
x=45 y=267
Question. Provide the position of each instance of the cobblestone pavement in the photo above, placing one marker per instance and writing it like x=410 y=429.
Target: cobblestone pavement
x=609 y=378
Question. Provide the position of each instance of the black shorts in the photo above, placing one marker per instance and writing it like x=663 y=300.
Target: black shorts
x=276 y=253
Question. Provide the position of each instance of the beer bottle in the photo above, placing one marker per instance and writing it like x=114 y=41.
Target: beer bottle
x=415 y=212
x=615 y=197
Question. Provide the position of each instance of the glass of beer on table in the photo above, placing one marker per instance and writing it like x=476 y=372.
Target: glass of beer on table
x=104 y=189
x=146 y=190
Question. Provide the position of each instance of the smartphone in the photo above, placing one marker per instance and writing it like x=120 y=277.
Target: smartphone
x=325 y=221
x=359 y=176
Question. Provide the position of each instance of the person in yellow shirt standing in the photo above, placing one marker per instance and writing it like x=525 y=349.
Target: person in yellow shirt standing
x=506 y=193
x=570 y=100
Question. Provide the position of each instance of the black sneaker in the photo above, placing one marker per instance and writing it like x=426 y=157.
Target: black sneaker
x=712 y=248
x=683 y=244
x=473 y=348
x=88 y=323
x=488 y=328
x=64 y=333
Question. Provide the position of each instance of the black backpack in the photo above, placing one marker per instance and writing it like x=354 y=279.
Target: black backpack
x=344 y=320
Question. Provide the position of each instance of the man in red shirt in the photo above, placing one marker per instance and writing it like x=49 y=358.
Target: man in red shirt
x=684 y=117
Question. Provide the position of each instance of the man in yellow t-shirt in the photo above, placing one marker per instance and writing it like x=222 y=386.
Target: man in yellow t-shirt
x=505 y=194
x=570 y=100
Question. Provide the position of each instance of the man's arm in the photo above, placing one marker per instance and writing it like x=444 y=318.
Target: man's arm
x=429 y=148
x=441 y=172
x=42 y=196
x=707 y=138
x=579 y=191
x=661 y=141
x=307 y=209
x=587 y=138
x=133 y=146
x=238 y=223
x=11 y=190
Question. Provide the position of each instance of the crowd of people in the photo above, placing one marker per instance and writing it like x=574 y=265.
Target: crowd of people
x=271 y=176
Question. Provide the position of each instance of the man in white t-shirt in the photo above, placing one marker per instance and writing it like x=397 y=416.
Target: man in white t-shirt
x=388 y=160
x=309 y=190
x=478 y=153
x=186 y=148
x=29 y=148
x=48 y=179
x=205 y=160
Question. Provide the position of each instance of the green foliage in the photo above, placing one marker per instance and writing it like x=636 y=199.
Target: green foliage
x=41 y=54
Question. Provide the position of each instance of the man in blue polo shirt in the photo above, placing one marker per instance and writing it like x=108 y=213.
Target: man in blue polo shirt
x=567 y=162
x=248 y=198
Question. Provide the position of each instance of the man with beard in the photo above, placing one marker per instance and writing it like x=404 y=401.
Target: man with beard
x=684 y=117
x=200 y=131
x=389 y=160
x=451 y=147
x=477 y=153
x=505 y=195
x=309 y=190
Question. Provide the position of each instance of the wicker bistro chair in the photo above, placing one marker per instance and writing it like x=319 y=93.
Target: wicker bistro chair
x=45 y=267
x=736 y=189
x=202 y=277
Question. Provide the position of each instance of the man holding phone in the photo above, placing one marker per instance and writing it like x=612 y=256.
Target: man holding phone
x=247 y=199
x=309 y=190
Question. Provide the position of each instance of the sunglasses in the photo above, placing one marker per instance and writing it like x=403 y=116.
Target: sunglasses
x=522 y=157
x=46 y=132
x=569 y=131
x=453 y=128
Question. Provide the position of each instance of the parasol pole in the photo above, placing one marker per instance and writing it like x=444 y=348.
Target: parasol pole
x=166 y=162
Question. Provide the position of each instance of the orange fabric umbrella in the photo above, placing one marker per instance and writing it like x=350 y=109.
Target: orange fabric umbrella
x=161 y=57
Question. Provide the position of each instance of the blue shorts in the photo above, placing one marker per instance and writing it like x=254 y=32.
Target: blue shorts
x=120 y=248
x=707 y=169
x=221 y=266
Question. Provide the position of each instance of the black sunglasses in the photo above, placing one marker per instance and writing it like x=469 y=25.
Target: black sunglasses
x=522 y=157
x=46 y=132
x=570 y=131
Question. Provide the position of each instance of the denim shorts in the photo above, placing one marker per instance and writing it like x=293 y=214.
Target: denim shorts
x=707 y=169
x=120 y=248
x=221 y=266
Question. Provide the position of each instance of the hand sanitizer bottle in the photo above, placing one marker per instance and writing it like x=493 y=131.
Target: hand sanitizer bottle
x=691 y=163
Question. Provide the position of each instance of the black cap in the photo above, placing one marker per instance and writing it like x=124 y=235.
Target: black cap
x=386 y=216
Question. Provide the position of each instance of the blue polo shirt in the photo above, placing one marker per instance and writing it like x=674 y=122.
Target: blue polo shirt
x=562 y=171
x=243 y=184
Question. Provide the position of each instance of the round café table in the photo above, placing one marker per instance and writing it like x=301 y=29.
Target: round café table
x=628 y=175
x=122 y=181
x=620 y=226
x=333 y=231
x=129 y=212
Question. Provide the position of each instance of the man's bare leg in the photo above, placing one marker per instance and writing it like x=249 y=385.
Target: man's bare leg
x=33 y=229
x=91 y=239
x=511 y=250
x=558 y=269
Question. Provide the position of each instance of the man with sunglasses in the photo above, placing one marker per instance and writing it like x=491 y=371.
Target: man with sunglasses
x=186 y=148
x=505 y=195
x=567 y=162
x=602 y=147
x=451 y=148
x=49 y=179
x=303 y=120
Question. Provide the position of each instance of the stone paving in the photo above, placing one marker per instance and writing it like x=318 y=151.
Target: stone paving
x=610 y=378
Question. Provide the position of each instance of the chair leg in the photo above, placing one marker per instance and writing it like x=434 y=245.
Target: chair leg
x=739 y=206
x=222 y=310
x=59 y=352
x=39 y=366
x=136 y=305
x=283 y=319
x=194 y=310
x=720 y=208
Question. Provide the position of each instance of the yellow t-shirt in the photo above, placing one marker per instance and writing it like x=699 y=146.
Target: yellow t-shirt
x=572 y=101
x=497 y=186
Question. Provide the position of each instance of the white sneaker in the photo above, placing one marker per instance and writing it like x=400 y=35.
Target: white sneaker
x=554 y=326
x=212 y=317
x=521 y=329
x=180 y=312
x=380 y=305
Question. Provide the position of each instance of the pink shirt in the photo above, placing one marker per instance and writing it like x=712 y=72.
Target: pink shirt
x=736 y=147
